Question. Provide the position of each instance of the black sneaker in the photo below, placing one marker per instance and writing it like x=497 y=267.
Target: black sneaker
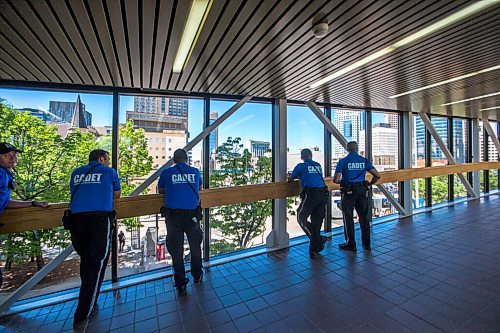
x=323 y=241
x=181 y=290
x=199 y=278
x=367 y=247
x=347 y=247
x=314 y=255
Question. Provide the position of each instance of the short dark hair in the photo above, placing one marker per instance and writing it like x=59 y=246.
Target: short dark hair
x=306 y=153
x=352 y=146
x=96 y=154
x=180 y=155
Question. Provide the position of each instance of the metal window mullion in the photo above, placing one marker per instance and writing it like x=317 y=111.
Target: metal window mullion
x=115 y=152
x=328 y=169
x=206 y=179
x=486 y=173
x=451 y=178
x=428 y=163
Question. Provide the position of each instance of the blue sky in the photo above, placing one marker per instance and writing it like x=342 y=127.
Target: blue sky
x=251 y=121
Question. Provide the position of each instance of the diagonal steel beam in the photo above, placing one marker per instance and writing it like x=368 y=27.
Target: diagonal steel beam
x=328 y=124
x=491 y=131
x=33 y=281
x=444 y=148
x=191 y=145
x=340 y=138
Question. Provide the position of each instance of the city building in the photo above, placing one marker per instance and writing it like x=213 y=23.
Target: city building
x=392 y=119
x=349 y=123
x=43 y=115
x=161 y=105
x=214 y=135
x=441 y=126
x=384 y=146
x=258 y=148
x=161 y=145
x=66 y=110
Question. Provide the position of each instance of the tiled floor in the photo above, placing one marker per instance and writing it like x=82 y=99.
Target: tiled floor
x=435 y=272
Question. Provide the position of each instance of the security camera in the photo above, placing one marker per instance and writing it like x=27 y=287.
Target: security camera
x=320 y=29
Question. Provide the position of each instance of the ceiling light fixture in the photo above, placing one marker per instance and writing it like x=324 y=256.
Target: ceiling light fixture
x=194 y=24
x=447 y=81
x=453 y=18
x=471 y=99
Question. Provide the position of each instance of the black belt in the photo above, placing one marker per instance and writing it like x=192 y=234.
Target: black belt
x=94 y=213
x=182 y=211
x=358 y=183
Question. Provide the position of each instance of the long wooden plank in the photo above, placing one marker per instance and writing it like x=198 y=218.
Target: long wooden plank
x=17 y=220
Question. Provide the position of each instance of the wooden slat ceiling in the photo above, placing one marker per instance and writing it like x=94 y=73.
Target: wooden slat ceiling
x=263 y=48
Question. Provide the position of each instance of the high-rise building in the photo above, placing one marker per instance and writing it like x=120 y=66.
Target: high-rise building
x=441 y=126
x=156 y=114
x=43 y=115
x=161 y=105
x=213 y=138
x=258 y=148
x=392 y=119
x=349 y=123
x=66 y=111
x=384 y=146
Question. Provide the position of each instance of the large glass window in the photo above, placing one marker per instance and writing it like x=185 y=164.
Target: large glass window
x=151 y=129
x=241 y=155
x=459 y=153
x=385 y=154
x=493 y=156
x=55 y=131
x=304 y=130
x=352 y=125
x=438 y=158
x=418 y=161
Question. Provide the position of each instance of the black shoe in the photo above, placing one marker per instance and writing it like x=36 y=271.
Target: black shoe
x=314 y=255
x=181 y=290
x=367 y=247
x=79 y=323
x=347 y=247
x=199 y=278
x=323 y=240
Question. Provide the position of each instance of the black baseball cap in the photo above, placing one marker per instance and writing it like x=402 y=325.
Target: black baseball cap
x=6 y=147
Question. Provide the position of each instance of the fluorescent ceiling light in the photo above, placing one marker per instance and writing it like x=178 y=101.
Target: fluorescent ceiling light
x=194 y=24
x=453 y=18
x=493 y=108
x=471 y=99
x=447 y=81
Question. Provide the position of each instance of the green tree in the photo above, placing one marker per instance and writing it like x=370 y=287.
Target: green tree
x=45 y=166
x=42 y=173
x=239 y=224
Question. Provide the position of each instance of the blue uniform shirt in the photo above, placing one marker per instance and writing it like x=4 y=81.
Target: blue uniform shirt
x=96 y=190
x=5 y=178
x=178 y=191
x=353 y=168
x=309 y=173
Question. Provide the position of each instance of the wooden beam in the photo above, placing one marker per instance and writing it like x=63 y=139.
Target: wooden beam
x=17 y=220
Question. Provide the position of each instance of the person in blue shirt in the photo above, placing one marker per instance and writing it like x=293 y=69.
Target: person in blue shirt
x=8 y=161
x=314 y=197
x=93 y=189
x=350 y=174
x=181 y=185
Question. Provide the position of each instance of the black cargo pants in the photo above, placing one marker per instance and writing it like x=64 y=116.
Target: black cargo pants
x=356 y=197
x=180 y=221
x=313 y=204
